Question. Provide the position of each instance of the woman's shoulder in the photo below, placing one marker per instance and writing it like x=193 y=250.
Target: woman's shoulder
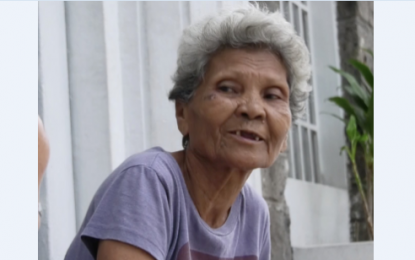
x=140 y=193
x=140 y=175
x=153 y=165
x=154 y=159
x=257 y=211
x=254 y=202
x=148 y=158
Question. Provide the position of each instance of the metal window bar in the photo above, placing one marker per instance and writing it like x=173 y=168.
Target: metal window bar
x=311 y=158
x=301 y=32
x=272 y=6
x=304 y=24
x=311 y=106
x=295 y=19
x=303 y=137
x=306 y=154
x=285 y=10
x=307 y=125
x=292 y=169
x=297 y=155
x=298 y=25
x=301 y=152
x=316 y=157
x=316 y=149
x=290 y=7
x=302 y=5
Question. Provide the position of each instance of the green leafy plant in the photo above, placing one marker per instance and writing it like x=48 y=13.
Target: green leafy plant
x=358 y=110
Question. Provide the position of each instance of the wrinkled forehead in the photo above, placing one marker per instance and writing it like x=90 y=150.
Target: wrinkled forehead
x=238 y=62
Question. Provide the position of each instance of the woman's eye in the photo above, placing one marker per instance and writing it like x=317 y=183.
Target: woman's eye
x=226 y=89
x=271 y=96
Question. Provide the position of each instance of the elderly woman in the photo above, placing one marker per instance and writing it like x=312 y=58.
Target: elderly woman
x=241 y=79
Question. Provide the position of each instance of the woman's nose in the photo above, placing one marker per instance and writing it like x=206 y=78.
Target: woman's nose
x=251 y=108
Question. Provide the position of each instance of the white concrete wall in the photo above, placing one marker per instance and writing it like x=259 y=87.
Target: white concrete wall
x=319 y=213
x=87 y=64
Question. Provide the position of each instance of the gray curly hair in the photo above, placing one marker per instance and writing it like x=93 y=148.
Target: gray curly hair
x=246 y=27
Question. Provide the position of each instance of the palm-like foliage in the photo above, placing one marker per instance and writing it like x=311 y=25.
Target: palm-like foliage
x=359 y=120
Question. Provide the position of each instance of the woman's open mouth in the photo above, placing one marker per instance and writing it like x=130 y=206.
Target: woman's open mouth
x=247 y=135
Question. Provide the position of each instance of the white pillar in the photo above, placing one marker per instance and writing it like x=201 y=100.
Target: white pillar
x=163 y=20
x=114 y=83
x=92 y=158
x=59 y=204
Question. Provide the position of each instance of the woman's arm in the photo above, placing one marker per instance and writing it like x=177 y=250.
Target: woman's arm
x=114 y=250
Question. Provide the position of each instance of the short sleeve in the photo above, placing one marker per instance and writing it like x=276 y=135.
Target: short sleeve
x=133 y=209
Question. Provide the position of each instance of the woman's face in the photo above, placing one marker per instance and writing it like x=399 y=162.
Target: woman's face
x=239 y=115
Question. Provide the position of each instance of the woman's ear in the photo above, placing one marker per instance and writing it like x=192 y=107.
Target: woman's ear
x=182 y=117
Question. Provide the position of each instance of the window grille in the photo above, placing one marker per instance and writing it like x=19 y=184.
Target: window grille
x=303 y=136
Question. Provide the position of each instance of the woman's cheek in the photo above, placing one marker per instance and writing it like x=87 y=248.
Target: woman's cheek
x=210 y=97
x=220 y=104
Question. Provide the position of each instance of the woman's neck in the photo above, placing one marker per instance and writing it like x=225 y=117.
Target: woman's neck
x=213 y=189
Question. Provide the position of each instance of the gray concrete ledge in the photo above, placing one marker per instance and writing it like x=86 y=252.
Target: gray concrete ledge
x=350 y=251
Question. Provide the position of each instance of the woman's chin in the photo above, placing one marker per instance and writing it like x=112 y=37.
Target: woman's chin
x=248 y=163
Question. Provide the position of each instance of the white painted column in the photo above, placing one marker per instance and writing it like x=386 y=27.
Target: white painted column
x=60 y=204
x=92 y=157
x=114 y=83
x=133 y=53
x=163 y=22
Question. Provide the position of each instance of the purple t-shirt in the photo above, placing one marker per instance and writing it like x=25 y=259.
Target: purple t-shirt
x=145 y=203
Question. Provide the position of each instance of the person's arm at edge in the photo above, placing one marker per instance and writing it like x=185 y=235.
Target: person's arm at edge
x=43 y=157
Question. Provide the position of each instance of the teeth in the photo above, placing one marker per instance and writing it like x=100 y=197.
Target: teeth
x=238 y=133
